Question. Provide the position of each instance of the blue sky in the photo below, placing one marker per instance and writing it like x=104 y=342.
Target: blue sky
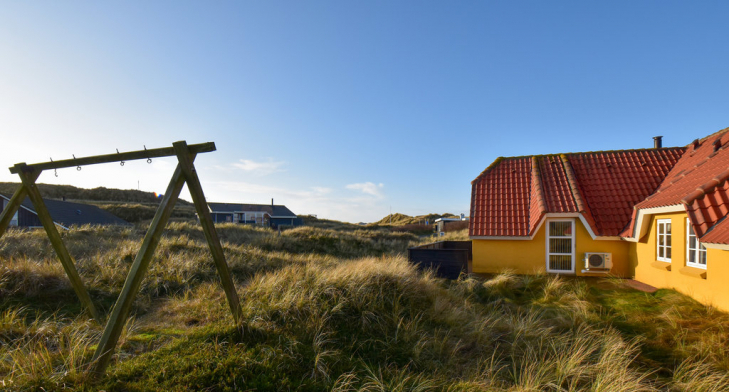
x=347 y=109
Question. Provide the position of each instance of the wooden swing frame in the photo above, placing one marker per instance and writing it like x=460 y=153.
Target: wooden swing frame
x=184 y=173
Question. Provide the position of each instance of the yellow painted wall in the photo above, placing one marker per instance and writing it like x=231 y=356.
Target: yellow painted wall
x=529 y=256
x=714 y=290
x=522 y=257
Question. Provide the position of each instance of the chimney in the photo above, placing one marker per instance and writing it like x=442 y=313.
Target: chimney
x=657 y=141
x=272 y=202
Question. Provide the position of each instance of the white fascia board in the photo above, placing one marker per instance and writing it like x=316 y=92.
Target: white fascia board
x=644 y=214
x=28 y=209
x=715 y=246
x=553 y=215
x=582 y=219
x=562 y=214
x=36 y=214
x=608 y=238
x=663 y=209
x=249 y=212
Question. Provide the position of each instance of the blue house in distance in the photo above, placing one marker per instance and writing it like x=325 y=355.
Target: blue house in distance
x=267 y=215
x=64 y=214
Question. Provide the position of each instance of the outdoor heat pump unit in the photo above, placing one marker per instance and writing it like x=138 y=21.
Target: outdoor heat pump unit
x=598 y=261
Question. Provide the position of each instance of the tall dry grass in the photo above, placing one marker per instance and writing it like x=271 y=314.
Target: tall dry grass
x=326 y=310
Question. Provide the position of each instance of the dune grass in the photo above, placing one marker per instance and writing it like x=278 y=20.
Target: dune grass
x=343 y=311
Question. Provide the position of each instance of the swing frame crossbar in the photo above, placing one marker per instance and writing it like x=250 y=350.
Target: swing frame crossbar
x=185 y=173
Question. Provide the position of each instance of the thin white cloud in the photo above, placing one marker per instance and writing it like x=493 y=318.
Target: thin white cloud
x=322 y=201
x=259 y=168
x=321 y=190
x=237 y=191
x=368 y=188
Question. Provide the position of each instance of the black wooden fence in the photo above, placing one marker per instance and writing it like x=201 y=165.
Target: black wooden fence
x=448 y=258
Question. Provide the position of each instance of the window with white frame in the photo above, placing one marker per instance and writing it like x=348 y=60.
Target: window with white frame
x=560 y=245
x=664 y=240
x=695 y=251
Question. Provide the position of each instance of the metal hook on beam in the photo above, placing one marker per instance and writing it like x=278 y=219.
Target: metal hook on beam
x=55 y=171
x=120 y=162
x=149 y=160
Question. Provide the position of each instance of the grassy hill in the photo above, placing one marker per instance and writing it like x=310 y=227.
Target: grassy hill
x=99 y=194
x=340 y=310
x=398 y=219
x=129 y=204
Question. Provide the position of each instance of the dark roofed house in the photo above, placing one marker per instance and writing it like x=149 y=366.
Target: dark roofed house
x=64 y=213
x=255 y=214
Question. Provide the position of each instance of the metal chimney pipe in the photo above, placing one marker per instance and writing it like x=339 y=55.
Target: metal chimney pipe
x=657 y=141
x=272 y=202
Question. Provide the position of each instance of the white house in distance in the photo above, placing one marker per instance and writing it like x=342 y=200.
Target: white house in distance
x=269 y=215
x=442 y=225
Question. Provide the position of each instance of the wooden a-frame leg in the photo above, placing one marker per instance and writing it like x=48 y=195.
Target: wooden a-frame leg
x=123 y=305
x=28 y=178
x=7 y=215
x=201 y=206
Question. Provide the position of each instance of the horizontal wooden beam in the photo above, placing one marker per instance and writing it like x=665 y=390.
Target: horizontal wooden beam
x=118 y=157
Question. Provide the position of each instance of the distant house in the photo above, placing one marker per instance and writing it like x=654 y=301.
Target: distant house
x=268 y=215
x=64 y=213
x=442 y=225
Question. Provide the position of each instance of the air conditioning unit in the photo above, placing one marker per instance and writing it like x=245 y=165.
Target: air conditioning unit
x=598 y=261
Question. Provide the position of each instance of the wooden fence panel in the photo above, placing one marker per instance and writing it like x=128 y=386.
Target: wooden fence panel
x=448 y=258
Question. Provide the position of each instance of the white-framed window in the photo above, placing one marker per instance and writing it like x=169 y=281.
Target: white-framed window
x=663 y=251
x=695 y=251
x=560 y=245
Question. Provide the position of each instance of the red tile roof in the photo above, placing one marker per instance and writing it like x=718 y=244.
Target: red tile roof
x=608 y=188
x=537 y=207
x=701 y=163
x=504 y=190
x=719 y=234
x=511 y=196
x=557 y=193
x=612 y=182
x=699 y=182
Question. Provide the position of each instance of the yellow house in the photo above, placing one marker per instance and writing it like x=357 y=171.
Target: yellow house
x=656 y=215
